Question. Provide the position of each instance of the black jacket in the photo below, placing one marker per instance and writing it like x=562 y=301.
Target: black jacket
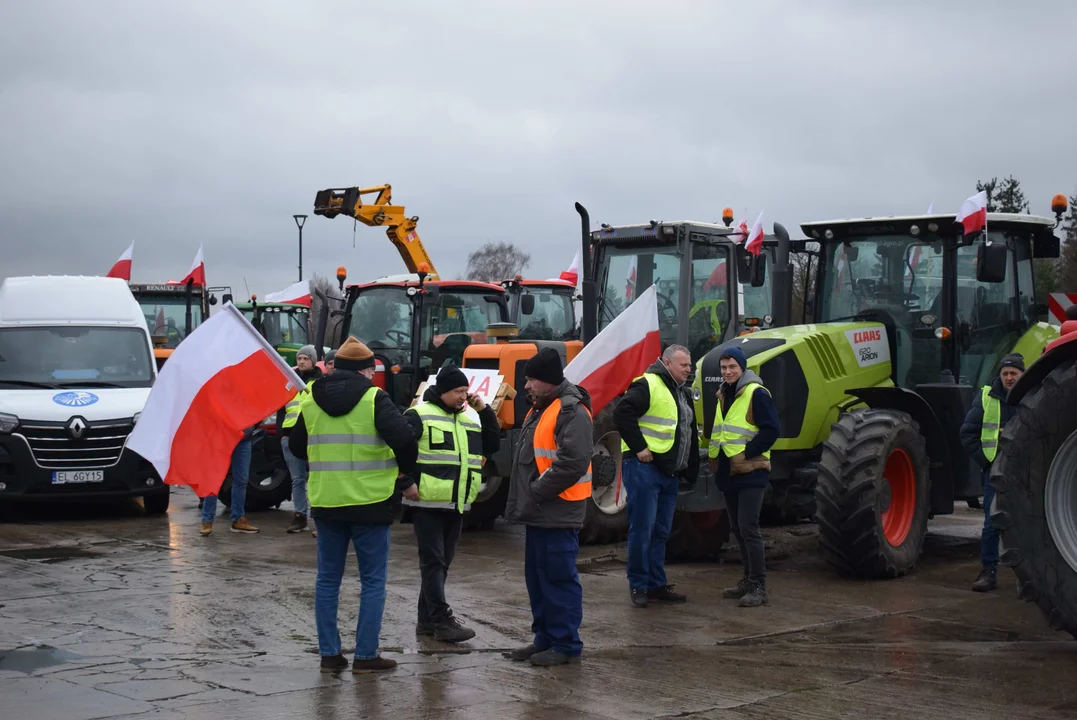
x=764 y=416
x=634 y=405
x=312 y=374
x=491 y=430
x=970 y=428
x=337 y=394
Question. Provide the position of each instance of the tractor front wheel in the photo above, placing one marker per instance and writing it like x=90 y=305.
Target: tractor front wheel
x=872 y=494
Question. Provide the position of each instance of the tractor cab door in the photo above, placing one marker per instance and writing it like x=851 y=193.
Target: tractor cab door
x=989 y=319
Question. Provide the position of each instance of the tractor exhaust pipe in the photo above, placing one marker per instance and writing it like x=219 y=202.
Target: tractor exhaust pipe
x=590 y=296
x=188 y=321
x=322 y=323
x=781 y=281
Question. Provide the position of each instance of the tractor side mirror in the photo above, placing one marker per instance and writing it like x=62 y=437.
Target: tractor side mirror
x=852 y=252
x=226 y=298
x=527 y=304
x=751 y=269
x=991 y=262
x=759 y=270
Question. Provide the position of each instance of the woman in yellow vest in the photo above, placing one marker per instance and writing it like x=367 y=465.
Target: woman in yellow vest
x=445 y=482
x=987 y=415
x=745 y=428
x=308 y=372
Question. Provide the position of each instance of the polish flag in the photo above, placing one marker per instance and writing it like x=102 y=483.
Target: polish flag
x=973 y=213
x=296 y=293
x=621 y=352
x=159 y=322
x=198 y=270
x=914 y=261
x=717 y=278
x=743 y=227
x=630 y=281
x=222 y=378
x=122 y=268
x=754 y=243
x=573 y=272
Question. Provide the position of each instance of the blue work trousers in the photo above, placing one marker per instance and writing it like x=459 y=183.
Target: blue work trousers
x=553 y=585
x=652 y=499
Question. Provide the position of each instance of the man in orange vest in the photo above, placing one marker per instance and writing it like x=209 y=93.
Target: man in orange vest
x=549 y=491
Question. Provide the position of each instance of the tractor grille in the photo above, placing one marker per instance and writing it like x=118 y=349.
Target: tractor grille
x=826 y=355
x=53 y=446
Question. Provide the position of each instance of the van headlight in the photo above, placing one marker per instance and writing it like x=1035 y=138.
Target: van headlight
x=8 y=423
x=134 y=419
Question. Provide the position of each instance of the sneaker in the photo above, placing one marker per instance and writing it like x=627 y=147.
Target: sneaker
x=740 y=590
x=522 y=653
x=207 y=528
x=299 y=523
x=549 y=658
x=314 y=533
x=639 y=598
x=425 y=628
x=334 y=663
x=986 y=581
x=377 y=664
x=666 y=594
x=452 y=631
x=756 y=596
x=242 y=526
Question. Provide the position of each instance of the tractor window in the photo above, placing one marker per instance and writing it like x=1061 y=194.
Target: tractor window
x=709 y=313
x=458 y=320
x=552 y=318
x=381 y=318
x=985 y=316
x=167 y=316
x=294 y=330
x=1026 y=289
x=627 y=275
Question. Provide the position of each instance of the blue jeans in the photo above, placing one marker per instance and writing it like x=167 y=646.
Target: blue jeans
x=989 y=536
x=241 y=468
x=553 y=586
x=298 y=470
x=371 y=544
x=652 y=499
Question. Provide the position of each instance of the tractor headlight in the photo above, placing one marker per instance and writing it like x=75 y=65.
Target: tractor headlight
x=8 y=423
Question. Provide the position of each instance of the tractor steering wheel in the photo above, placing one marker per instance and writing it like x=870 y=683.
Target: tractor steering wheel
x=401 y=338
x=667 y=314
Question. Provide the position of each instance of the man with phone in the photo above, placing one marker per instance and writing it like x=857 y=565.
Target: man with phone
x=446 y=480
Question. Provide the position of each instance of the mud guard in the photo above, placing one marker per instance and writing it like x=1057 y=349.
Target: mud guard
x=1060 y=351
x=939 y=454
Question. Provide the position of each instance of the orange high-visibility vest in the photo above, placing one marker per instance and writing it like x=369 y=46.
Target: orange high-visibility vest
x=546 y=451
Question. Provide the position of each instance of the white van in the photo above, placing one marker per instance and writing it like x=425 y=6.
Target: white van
x=76 y=367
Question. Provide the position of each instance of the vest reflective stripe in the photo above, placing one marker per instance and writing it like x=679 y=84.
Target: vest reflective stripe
x=449 y=461
x=992 y=420
x=349 y=463
x=659 y=424
x=731 y=433
x=291 y=409
x=545 y=446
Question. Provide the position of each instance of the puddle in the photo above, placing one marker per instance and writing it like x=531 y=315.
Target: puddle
x=50 y=554
x=599 y=564
x=43 y=656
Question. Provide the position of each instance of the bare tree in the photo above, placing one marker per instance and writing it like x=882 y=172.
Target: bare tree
x=496 y=261
x=805 y=273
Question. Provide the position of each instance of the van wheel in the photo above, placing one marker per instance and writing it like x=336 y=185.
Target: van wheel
x=156 y=503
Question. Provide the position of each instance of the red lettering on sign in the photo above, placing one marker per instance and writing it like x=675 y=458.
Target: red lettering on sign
x=484 y=387
x=864 y=336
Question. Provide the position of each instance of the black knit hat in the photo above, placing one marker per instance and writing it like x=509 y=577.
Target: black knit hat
x=1014 y=360
x=450 y=378
x=545 y=366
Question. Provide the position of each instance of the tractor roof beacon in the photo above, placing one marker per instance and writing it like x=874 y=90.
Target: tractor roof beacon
x=910 y=319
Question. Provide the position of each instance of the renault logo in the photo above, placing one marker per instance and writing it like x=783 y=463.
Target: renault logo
x=76 y=428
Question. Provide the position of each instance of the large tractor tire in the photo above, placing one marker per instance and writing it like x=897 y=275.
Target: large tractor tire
x=269 y=483
x=1035 y=506
x=697 y=536
x=607 y=512
x=872 y=495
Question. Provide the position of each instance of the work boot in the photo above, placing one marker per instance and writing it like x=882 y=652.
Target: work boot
x=334 y=663
x=522 y=653
x=987 y=580
x=740 y=590
x=452 y=631
x=425 y=628
x=756 y=596
x=242 y=526
x=549 y=658
x=207 y=528
x=666 y=594
x=639 y=598
x=377 y=664
x=299 y=523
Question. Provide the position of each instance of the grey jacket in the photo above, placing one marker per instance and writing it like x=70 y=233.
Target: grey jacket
x=534 y=499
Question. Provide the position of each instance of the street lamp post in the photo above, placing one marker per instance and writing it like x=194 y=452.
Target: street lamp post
x=299 y=220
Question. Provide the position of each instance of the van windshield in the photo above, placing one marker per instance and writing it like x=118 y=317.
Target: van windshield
x=73 y=356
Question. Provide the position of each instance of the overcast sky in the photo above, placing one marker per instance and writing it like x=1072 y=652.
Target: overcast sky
x=174 y=123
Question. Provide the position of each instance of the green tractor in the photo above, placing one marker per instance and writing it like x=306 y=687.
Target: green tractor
x=286 y=326
x=909 y=319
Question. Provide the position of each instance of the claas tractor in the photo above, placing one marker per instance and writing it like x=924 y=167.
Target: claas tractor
x=285 y=326
x=910 y=319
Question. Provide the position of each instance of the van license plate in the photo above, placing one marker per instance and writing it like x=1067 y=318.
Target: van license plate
x=70 y=477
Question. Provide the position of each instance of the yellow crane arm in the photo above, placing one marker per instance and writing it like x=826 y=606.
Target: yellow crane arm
x=380 y=213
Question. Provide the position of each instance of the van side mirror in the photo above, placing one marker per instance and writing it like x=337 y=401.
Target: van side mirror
x=527 y=304
x=991 y=262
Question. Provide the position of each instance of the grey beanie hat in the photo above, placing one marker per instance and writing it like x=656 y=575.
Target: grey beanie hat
x=309 y=351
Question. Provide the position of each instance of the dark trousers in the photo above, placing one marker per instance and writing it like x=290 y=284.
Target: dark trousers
x=652 y=500
x=989 y=536
x=553 y=585
x=437 y=533
x=744 y=506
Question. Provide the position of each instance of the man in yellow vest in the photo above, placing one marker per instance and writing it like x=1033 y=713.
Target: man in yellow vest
x=745 y=428
x=660 y=448
x=357 y=443
x=548 y=493
x=980 y=431
x=445 y=482
x=308 y=372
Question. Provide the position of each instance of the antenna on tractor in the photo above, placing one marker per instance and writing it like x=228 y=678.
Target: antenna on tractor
x=246 y=286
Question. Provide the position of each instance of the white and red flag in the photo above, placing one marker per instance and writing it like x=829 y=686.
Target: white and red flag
x=754 y=243
x=122 y=268
x=573 y=273
x=295 y=294
x=630 y=280
x=973 y=213
x=198 y=270
x=622 y=351
x=222 y=378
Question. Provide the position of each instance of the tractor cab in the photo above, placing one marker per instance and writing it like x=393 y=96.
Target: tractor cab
x=172 y=311
x=542 y=309
x=284 y=325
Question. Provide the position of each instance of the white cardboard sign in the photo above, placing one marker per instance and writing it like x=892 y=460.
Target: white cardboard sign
x=870 y=345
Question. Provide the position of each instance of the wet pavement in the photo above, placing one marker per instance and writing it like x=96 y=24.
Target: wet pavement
x=108 y=613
